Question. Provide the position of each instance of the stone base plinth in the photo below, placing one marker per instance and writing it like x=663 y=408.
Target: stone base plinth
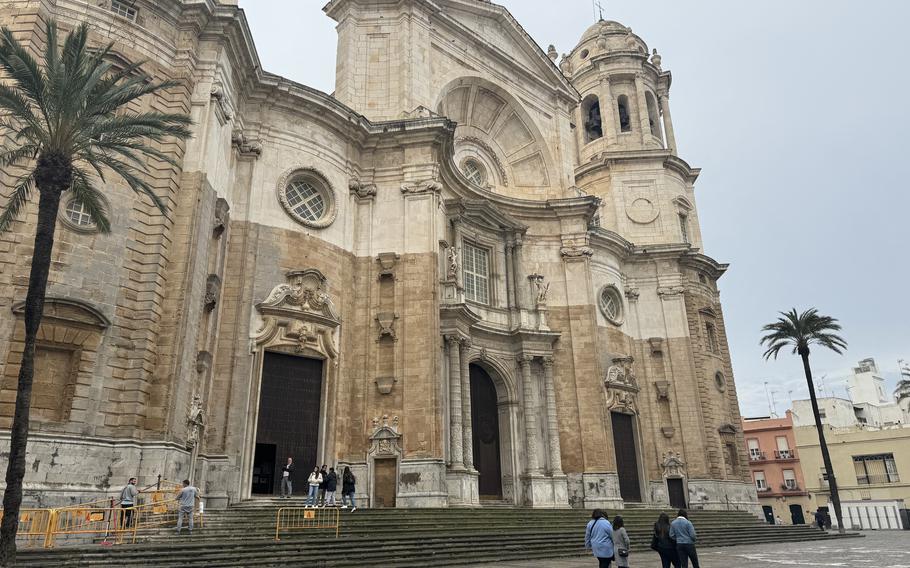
x=597 y=491
x=463 y=488
x=421 y=484
x=544 y=491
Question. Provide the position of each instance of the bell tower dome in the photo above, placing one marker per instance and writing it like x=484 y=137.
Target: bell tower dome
x=625 y=93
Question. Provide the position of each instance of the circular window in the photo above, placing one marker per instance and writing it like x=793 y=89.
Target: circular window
x=307 y=197
x=475 y=172
x=720 y=381
x=76 y=216
x=611 y=304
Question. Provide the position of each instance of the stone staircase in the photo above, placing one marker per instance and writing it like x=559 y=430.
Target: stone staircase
x=243 y=536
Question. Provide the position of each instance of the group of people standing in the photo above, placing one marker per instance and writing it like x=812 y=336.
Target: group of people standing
x=322 y=485
x=673 y=541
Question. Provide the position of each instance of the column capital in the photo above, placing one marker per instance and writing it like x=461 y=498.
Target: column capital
x=465 y=342
x=524 y=360
x=547 y=362
x=452 y=339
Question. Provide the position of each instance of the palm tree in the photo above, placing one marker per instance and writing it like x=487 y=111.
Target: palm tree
x=800 y=331
x=64 y=125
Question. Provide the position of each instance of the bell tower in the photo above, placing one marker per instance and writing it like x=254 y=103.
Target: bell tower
x=627 y=152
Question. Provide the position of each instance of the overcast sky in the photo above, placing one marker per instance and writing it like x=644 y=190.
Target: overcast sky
x=797 y=111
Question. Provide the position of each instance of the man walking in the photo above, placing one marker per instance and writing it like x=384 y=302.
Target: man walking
x=128 y=501
x=186 y=504
x=286 y=488
x=683 y=532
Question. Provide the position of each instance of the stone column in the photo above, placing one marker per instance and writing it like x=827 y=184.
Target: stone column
x=552 y=423
x=642 y=110
x=455 y=428
x=580 y=129
x=511 y=277
x=608 y=111
x=467 y=429
x=668 y=122
x=520 y=293
x=530 y=414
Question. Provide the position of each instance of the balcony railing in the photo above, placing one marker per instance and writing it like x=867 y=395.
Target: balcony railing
x=881 y=479
x=785 y=454
x=757 y=456
x=789 y=487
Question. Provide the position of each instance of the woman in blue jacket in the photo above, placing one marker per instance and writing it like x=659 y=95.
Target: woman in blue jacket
x=599 y=538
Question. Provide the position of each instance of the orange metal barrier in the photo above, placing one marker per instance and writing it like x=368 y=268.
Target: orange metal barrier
x=304 y=518
x=33 y=525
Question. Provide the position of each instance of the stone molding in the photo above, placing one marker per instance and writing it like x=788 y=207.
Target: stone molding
x=426 y=186
x=362 y=190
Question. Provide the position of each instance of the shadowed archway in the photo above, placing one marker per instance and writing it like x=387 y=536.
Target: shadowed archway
x=485 y=420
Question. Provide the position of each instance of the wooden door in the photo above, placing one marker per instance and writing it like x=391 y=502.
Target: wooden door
x=385 y=484
x=485 y=428
x=626 y=457
x=289 y=404
x=677 y=492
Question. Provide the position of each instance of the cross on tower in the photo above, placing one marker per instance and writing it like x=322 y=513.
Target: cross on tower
x=598 y=9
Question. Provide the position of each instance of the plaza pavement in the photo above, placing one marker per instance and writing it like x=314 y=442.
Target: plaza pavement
x=878 y=549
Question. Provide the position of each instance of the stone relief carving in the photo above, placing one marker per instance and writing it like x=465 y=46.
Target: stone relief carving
x=222 y=110
x=384 y=384
x=387 y=262
x=362 y=190
x=663 y=390
x=657 y=345
x=385 y=441
x=571 y=253
x=299 y=315
x=427 y=186
x=222 y=210
x=673 y=465
x=669 y=292
x=196 y=422
x=245 y=146
x=632 y=293
x=386 y=321
x=212 y=291
x=565 y=65
x=621 y=386
x=542 y=289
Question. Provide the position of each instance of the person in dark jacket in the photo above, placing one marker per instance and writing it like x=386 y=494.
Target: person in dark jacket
x=287 y=488
x=663 y=544
x=682 y=530
x=820 y=519
x=324 y=474
x=331 y=485
x=347 y=488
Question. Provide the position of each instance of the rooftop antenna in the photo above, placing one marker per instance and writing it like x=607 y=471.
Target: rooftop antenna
x=773 y=405
x=598 y=10
x=770 y=404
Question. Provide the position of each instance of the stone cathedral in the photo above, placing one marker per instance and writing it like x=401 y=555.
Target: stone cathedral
x=473 y=273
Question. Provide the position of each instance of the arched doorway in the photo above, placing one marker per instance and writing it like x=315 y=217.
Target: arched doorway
x=485 y=422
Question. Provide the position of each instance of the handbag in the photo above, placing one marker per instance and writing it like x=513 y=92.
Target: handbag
x=623 y=553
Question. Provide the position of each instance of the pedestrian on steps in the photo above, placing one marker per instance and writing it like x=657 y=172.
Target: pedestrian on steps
x=128 y=501
x=622 y=543
x=347 y=488
x=599 y=538
x=186 y=503
x=324 y=474
x=663 y=544
x=286 y=488
x=683 y=532
x=331 y=485
x=313 y=482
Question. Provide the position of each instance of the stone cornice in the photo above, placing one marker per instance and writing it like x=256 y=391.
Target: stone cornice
x=705 y=263
x=609 y=158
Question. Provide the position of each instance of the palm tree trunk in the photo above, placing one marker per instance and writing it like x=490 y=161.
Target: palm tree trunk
x=48 y=206
x=826 y=457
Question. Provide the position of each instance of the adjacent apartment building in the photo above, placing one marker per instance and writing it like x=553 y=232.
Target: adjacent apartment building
x=868 y=437
x=776 y=470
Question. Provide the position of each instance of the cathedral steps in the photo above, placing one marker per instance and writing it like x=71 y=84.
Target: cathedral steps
x=244 y=536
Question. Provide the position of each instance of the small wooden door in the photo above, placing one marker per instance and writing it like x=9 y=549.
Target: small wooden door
x=626 y=457
x=677 y=493
x=769 y=513
x=796 y=515
x=384 y=482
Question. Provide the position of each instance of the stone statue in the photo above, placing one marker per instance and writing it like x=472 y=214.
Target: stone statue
x=655 y=58
x=195 y=422
x=453 y=263
x=565 y=64
x=543 y=291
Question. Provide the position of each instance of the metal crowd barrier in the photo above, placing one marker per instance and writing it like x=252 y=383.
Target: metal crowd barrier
x=305 y=518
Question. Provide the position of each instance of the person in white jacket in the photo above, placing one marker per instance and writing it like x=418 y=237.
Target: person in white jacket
x=313 y=481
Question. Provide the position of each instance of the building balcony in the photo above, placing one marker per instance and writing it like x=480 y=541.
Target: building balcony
x=757 y=456
x=785 y=455
x=882 y=479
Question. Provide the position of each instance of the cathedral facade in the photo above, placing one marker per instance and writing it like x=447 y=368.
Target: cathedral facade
x=473 y=273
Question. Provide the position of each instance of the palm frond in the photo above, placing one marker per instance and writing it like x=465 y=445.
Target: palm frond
x=17 y=201
x=91 y=200
x=800 y=331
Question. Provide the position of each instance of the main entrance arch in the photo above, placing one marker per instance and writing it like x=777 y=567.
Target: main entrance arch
x=486 y=445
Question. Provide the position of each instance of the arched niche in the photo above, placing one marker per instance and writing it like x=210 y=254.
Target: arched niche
x=495 y=129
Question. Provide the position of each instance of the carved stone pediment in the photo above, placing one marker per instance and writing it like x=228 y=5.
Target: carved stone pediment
x=673 y=465
x=385 y=441
x=299 y=315
x=483 y=214
x=621 y=386
x=69 y=311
